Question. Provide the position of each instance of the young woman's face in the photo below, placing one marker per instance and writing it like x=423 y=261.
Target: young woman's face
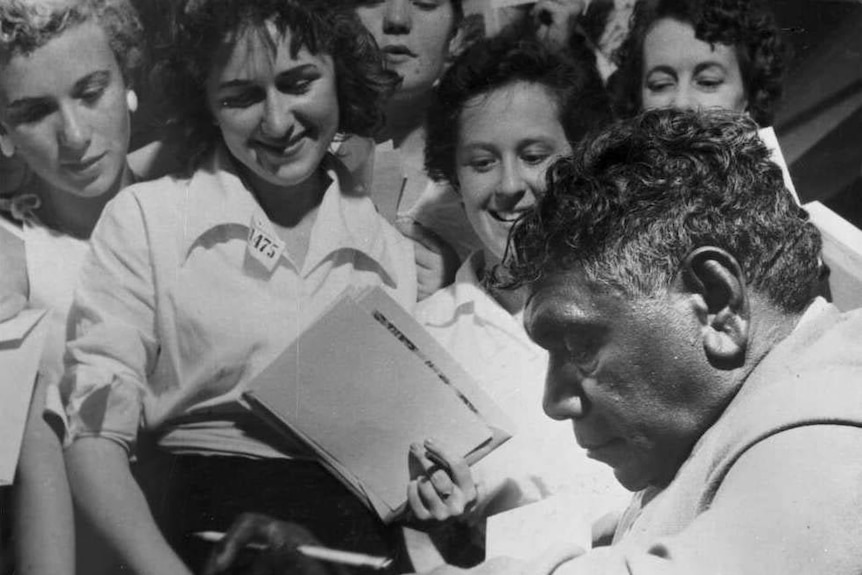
x=681 y=71
x=277 y=113
x=414 y=35
x=506 y=139
x=68 y=117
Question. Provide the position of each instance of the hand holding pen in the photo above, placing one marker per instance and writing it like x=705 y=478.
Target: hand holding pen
x=441 y=485
x=279 y=547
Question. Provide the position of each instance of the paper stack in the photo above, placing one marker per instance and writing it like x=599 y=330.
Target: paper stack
x=361 y=384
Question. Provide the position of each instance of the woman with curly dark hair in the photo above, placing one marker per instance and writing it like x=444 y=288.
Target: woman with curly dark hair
x=503 y=112
x=194 y=284
x=701 y=53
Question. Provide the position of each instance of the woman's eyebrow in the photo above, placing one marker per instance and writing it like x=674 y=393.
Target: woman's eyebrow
x=709 y=64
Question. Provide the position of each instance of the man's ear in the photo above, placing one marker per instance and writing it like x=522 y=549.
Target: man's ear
x=716 y=278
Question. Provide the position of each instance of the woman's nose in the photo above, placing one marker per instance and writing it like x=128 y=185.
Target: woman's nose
x=398 y=18
x=513 y=184
x=277 y=118
x=74 y=132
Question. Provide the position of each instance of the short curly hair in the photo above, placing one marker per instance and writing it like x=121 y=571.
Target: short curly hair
x=747 y=25
x=488 y=65
x=639 y=196
x=26 y=25
x=206 y=27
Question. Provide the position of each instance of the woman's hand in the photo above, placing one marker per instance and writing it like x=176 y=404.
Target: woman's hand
x=436 y=261
x=442 y=487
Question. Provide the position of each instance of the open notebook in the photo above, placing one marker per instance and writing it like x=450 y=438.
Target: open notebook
x=361 y=384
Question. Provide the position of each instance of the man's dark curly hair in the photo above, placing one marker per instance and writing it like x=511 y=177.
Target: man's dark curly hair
x=639 y=196
x=206 y=28
x=747 y=25
x=572 y=81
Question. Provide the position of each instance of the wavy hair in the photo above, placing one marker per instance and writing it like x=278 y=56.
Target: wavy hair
x=488 y=65
x=206 y=27
x=747 y=25
x=639 y=196
x=26 y=26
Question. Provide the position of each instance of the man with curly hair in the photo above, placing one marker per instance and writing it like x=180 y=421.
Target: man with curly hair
x=672 y=280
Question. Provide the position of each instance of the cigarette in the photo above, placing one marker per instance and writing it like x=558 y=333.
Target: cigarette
x=315 y=552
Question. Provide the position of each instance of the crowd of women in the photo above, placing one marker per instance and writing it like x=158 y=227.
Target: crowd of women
x=373 y=142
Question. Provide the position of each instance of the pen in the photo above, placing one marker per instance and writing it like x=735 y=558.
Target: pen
x=315 y=552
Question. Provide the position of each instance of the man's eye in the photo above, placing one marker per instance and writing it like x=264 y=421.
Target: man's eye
x=584 y=356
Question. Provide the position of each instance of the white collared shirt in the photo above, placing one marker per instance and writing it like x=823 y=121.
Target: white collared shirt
x=173 y=317
x=542 y=459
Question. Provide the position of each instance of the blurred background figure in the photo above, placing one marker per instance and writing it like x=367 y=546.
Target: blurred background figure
x=701 y=54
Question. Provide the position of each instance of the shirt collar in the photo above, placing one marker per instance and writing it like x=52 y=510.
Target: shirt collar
x=469 y=297
x=216 y=196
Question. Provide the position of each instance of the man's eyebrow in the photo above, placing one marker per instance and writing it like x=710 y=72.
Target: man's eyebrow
x=546 y=324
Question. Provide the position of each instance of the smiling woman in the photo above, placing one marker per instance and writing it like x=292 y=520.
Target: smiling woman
x=505 y=110
x=178 y=309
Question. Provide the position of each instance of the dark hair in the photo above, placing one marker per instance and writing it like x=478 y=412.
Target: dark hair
x=207 y=27
x=26 y=26
x=640 y=195
x=747 y=25
x=495 y=63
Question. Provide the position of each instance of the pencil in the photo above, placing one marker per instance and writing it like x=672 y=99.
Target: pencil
x=316 y=552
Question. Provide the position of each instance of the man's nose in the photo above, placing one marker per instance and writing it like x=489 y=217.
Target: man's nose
x=563 y=393
x=398 y=17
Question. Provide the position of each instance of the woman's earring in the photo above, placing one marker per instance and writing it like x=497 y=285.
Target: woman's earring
x=7 y=148
x=131 y=100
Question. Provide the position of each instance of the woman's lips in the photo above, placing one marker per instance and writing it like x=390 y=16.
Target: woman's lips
x=83 y=166
x=281 y=151
x=398 y=53
x=506 y=217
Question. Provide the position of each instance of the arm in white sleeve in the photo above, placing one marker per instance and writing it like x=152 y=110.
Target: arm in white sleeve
x=112 y=348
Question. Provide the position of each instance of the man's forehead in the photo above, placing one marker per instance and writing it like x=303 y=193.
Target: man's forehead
x=569 y=297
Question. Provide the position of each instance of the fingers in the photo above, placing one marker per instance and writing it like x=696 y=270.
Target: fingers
x=444 y=488
x=279 y=538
